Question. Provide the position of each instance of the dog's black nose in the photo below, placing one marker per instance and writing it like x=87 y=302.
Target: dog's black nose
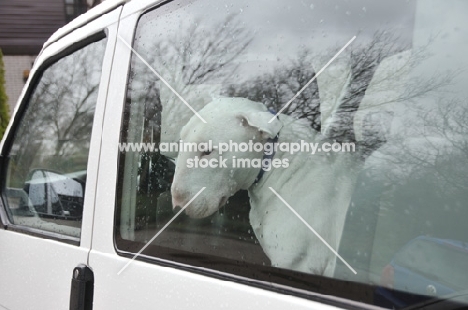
x=176 y=209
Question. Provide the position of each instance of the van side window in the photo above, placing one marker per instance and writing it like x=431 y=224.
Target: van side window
x=372 y=152
x=46 y=170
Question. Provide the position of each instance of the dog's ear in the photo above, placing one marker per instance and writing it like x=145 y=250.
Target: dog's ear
x=260 y=121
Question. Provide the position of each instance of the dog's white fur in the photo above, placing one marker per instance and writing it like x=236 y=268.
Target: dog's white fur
x=318 y=187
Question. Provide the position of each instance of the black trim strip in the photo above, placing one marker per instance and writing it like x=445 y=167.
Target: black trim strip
x=335 y=292
x=81 y=25
x=3 y=212
x=44 y=234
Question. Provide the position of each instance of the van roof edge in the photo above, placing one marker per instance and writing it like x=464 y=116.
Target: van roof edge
x=83 y=19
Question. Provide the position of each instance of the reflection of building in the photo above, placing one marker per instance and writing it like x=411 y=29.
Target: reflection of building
x=24 y=26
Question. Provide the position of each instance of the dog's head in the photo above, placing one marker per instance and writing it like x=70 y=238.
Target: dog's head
x=228 y=119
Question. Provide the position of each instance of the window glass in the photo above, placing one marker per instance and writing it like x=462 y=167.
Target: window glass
x=370 y=155
x=423 y=256
x=46 y=174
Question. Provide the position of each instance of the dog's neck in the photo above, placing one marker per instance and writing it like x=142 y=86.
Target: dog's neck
x=266 y=156
x=262 y=171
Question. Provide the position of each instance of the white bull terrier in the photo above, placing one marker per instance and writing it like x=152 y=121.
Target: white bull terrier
x=318 y=187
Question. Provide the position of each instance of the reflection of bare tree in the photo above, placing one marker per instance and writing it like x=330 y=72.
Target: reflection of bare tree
x=418 y=180
x=275 y=89
x=56 y=128
x=201 y=55
x=437 y=147
x=195 y=57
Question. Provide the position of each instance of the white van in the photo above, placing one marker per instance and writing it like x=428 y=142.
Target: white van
x=364 y=105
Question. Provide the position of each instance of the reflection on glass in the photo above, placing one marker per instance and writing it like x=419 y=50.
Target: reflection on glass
x=398 y=93
x=48 y=158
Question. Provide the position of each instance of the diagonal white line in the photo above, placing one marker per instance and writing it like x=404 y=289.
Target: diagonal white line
x=162 y=79
x=313 y=230
x=312 y=79
x=160 y=231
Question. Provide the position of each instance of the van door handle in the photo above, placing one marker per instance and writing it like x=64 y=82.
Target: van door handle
x=82 y=288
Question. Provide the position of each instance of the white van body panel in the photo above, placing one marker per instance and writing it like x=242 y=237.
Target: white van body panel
x=41 y=269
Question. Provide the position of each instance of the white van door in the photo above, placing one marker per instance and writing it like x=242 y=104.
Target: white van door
x=321 y=232
x=49 y=160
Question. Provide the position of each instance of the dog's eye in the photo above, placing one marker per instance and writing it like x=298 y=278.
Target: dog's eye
x=206 y=153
